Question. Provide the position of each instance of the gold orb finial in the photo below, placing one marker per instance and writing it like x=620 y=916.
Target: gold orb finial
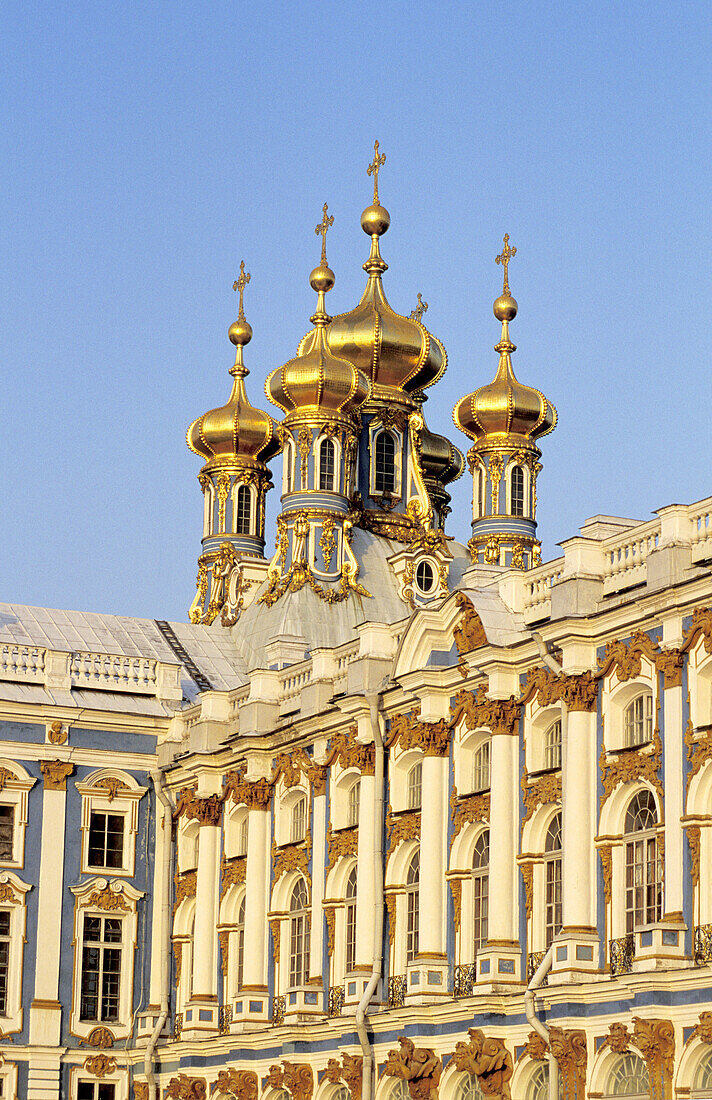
x=322 y=277
x=375 y=218
x=505 y=307
x=240 y=331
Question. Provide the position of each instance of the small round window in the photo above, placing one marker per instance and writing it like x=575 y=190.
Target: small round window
x=425 y=576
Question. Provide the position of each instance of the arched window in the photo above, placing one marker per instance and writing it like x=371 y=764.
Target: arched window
x=412 y=895
x=480 y=890
x=481 y=767
x=243 y=516
x=552 y=860
x=353 y=803
x=298 y=935
x=638 y=720
x=351 y=922
x=327 y=464
x=480 y=492
x=299 y=821
x=289 y=468
x=469 y=1089
x=629 y=1077
x=552 y=746
x=643 y=865
x=240 y=937
x=415 y=787
x=703 y=1077
x=517 y=491
x=538 y=1087
x=385 y=463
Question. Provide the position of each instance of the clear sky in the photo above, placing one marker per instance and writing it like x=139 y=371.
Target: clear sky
x=146 y=148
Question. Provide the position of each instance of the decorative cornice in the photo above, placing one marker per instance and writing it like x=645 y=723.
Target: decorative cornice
x=433 y=738
x=55 y=774
x=488 y=1061
x=421 y=1067
x=578 y=691
x=469 y=634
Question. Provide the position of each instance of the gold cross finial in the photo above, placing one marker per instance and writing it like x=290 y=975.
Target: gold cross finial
x=323 y=228
x=240 y=284
x=420 y=309
x=503 y=259
x=373 y=169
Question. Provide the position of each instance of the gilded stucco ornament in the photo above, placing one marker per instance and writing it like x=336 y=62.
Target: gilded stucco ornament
x=500 y=716
x=183 y=1087
x=578 y=691
x=55 y=774
x=419 y=1067
x=535 y=1047
x=298 y=1080
x=655 y=1040
x=100 y=1065
x=703 y=1030
x=456 y=891
x=240 y=1083
x=410 y=733
x=292 y=857
x=353 y=1074
x=631 y=766
x=470 y=809
x=569 y=1048
x=340 y=845
x=400 y=827
x=488 y=1060
x=469 y=634
x=233 y=873
x=541 y=792
x=350 y=753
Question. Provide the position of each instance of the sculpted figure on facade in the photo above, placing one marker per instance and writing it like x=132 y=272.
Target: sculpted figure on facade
x=183 y=1087
x=353 y=1074
x=488 y=1060
x=569 y=1048
x=420 y=1067
x=298 y=1080
x=240 y=1083
x=469 y=634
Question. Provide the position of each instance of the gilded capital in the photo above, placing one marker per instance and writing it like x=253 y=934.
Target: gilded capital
x=55 y=774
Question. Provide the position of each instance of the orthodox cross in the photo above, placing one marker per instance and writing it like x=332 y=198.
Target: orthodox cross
x=503 y=259
x=373 y=169
x=420 y=309
x=240 y=284
x=323 y=228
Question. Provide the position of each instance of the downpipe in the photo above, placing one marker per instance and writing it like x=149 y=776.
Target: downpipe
x=373 y=700
x=165 y=947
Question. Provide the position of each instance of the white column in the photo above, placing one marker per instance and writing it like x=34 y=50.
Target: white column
x=45 y=1015
x=317 y=892
x=158 y=932
x=257 y=899
x=433 y=839
x=365 y=878
x=674 y=798
x=205 y=985
x=579 y=818
x=504 y=834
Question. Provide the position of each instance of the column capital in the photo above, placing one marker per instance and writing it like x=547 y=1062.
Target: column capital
x=55 y=774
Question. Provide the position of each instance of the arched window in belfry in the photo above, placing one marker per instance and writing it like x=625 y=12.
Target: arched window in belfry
x=327 y=464
x=517 y=491
x=412 y=894
x=299 y=935
x=643 y=863
x=385 y=463
x=243 y=517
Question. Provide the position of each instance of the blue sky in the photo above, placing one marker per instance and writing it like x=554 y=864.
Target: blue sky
x=145 y=149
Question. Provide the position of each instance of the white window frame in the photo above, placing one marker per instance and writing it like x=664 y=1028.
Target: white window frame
x=482 y=750
x=235 y=493
x=15 y=785
x=12 y=897
x=110 y=791
x=99 y=897
x=336 y=482
x=647 y=704
x=526 y=513
x=353 y=804
x=187 y=842
x=411 y=788
x=8 y=1076
x=119 y=1079
x=236 y=830
x=375 y=429
x=288 y=470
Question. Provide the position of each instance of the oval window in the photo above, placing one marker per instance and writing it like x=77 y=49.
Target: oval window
x=425 y=576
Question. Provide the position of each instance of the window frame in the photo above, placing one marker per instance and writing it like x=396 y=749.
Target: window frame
x=299 y=926
x=412 y=909
x=553 y=883
x=321 y=442
x=350 y=927
x=645 y=701
x=79 y=1075
x=480 y=893
x=238 y=488
x=13 y=893
x=15 y=785
x=111 y=791
x=376 y=428
x=414 y=788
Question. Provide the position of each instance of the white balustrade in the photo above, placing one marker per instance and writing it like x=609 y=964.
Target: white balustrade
x=624 y=558
x=22 y=662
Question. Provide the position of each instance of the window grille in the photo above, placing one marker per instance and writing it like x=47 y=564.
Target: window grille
x=240 y=936
x=517 y=491
x=353 y=803
x=5 y=917
x=552 y=751
x=298 y=935
x=629 y=1077
x=703 y=1077
x=481 y=767
x=639 y=720
x=385 y=463
x=480 y=890
x=553 y=880
x=643 y=864
x=242 y=837
x=412 y=908
x=101 y=969
x=415 y=787
x=243 y=522
x=327 y=464
x=106 y=840
x=299 y=820
x=351 y=922
x=7 y=832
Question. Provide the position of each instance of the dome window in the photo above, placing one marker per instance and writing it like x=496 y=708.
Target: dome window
x=517 y=491
x=327 y=464
x=385 y=480
x=425 y=576
x=243 y=510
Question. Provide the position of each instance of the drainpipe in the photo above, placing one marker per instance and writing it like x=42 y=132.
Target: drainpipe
x=545 y=966
x=165 y=947
x=373 y=700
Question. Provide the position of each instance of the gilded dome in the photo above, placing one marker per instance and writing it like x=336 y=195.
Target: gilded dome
x=505 y=407
x=236 y=430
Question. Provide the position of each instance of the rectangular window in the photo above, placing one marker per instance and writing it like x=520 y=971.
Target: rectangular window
x=106 y=840
x=7 y=832
x=95 y=1090
x=4 y=959
x=101 y=969
x=480 y=885
x=412 y=925
x=553 y=900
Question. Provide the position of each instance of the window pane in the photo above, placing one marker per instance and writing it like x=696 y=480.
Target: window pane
x=415 y=787
x=517 y=494
x=7 y=823
x=385 y=463
x=244 y=510
x=327 y=453
x=85 y=1090
x=106 y=1091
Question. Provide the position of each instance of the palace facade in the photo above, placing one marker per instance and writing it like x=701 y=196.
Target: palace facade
x=390 y=816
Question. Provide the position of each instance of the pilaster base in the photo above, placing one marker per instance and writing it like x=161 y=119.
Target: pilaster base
x=427 y=981
x=500 y=964
x=576 y=957
x=660 y=946
x=251 y=1006
x=146 y=1023
x=354 y=986
x=200 y=1017
x=303 y=1003
x=45 y=1022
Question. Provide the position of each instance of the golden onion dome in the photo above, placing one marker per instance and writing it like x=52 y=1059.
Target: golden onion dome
x=317 y=382
x=505 y=407
x=395 y=352
x=440 y=460
x=236 y=430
